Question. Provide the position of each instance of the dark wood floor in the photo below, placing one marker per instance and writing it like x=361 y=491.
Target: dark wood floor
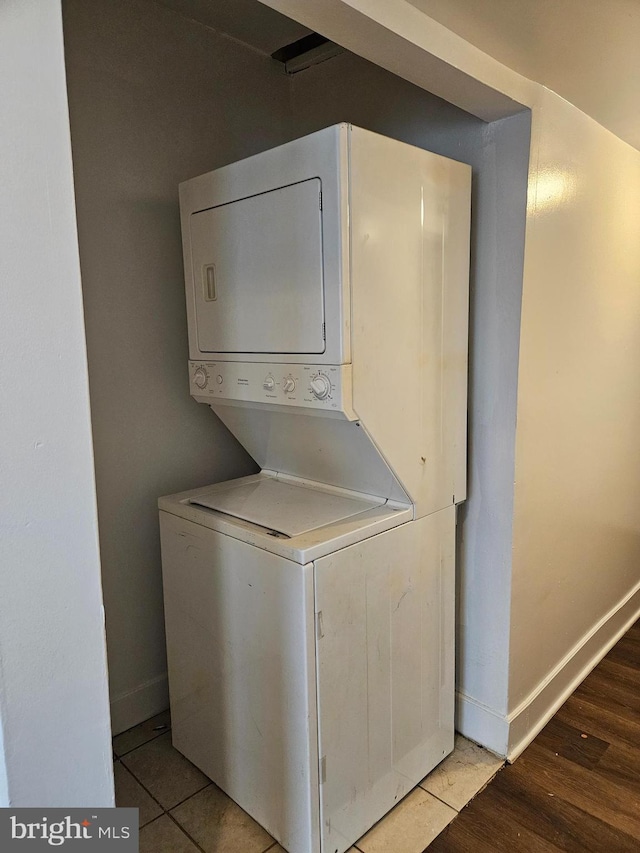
x=577 y=786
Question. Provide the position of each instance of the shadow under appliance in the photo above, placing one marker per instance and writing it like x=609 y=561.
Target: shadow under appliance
x=310 y=607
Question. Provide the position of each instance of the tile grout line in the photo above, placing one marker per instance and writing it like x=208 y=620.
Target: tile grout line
x=182 y=829
x=144 y=788
x=186 y=799
x=444 y=802
x=174 y=821
x=144 y=743
x=210 y=784
x=448 y=805
x=166 y=810
x=147 y=791
x=140 y=828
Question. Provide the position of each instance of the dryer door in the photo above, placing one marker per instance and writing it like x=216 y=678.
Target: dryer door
x=258 y=273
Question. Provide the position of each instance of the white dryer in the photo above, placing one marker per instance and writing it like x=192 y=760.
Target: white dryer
x=309 y=608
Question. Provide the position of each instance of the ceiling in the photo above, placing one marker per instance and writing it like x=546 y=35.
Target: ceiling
x=588 y=51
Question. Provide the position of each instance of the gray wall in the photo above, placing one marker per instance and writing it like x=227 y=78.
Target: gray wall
x=154 y=99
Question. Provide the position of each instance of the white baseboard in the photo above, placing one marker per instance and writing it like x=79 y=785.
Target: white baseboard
x=135 y=706
x=532 y=715
x=509 y=734
x=482 y=725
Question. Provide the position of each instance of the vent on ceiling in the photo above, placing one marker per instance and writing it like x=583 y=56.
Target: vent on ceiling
x=305 y=52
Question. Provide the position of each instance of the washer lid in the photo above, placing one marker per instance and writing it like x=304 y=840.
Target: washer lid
x=285 y=507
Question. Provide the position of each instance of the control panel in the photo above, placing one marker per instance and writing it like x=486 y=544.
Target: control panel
x=324 y=387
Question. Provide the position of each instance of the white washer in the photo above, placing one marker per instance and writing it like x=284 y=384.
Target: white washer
x=309 y=608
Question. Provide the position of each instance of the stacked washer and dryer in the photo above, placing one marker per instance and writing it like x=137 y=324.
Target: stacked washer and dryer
x=310 y=607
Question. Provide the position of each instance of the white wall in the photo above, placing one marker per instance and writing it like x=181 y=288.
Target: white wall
x=586 y=52
x=154 y=99
x=576 y=558
x=53 y=696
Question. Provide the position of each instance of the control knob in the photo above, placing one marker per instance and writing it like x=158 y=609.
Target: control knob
x=200 y=377
x=269 y=383
x=320 y=386
x=289 y=384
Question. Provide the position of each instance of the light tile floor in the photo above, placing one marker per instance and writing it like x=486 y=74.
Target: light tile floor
x=181 y=811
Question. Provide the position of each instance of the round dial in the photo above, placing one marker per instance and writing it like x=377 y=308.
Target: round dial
x=320 y=386
x=200 y=377
x=269 y=383
x=289 y=384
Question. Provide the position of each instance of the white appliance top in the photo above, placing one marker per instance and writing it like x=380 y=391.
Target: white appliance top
x=288 y=508
x=356 y=516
